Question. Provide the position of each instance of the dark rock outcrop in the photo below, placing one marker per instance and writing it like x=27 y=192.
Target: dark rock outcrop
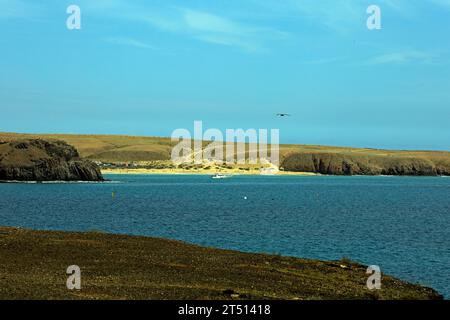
x=345 y=164
x=44 y=160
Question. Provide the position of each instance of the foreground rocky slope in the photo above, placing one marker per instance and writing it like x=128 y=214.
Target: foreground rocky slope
x=34 y=265
x=42 y=160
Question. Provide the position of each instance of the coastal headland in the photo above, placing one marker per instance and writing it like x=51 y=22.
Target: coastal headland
x=44 y=160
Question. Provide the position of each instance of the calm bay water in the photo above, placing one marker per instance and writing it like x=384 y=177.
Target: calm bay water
x=401 y=224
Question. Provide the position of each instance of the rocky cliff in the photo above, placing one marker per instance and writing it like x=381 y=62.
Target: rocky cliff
x=354 y=164
x=44 y=160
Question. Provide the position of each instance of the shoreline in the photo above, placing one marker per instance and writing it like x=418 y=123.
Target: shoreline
x=115 y=266
x=204 y=172
x=241 y=173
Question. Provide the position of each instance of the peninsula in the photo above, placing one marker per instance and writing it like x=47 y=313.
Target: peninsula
x=131 y=267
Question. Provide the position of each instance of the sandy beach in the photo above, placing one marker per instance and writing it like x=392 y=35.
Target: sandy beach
x=203 y=172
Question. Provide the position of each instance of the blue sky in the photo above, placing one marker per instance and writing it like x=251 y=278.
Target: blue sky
x=149 y=67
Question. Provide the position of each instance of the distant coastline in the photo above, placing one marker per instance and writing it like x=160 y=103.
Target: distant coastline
x=152 y=155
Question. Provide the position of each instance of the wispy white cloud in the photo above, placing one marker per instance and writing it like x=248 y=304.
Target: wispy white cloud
x=123 y=41
x=401 y=57
x=343 y=16
x=331 y=14
x=444 y=3
x=10 y=8
x=321 y=61
x=219 y=30
x=396 y=57
x=206 y=22
x=197 y=24
x=17 y=9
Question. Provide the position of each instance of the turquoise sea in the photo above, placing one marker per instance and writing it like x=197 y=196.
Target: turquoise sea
x=401 y=224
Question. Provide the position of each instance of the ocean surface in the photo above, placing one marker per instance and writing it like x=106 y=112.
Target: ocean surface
x=401 y=224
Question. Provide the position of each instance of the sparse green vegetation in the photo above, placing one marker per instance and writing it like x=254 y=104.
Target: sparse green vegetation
x=34 y=265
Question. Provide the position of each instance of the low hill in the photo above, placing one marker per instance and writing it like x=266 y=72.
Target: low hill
x=109 y=148
x=296 y=158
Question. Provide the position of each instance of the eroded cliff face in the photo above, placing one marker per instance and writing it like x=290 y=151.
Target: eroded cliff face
x=44 y=160
x=340 y=164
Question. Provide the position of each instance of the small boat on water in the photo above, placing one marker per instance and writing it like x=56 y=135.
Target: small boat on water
x=220 y=176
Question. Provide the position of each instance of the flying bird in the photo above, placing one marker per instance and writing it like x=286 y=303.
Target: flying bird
x=283 y=115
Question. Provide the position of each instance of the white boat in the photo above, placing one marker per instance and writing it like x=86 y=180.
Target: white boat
x=269 y=171
x=220 y=176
